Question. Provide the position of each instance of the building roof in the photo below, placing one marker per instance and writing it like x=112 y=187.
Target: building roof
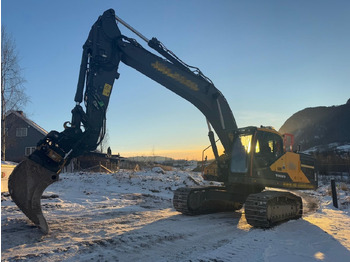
x=21 y=115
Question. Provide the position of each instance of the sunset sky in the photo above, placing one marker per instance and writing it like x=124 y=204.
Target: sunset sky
x=270 y=59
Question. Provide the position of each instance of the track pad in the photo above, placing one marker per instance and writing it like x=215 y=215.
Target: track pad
x=26 y=186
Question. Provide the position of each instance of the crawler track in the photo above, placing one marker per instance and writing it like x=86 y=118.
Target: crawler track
x=203 y=200
x=180 y=201
x=269 y=208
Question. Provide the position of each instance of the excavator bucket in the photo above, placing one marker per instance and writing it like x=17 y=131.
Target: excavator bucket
x=26 y=186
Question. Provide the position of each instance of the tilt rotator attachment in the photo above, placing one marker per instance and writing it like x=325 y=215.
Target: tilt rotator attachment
x=33 y=175
x=42 y=168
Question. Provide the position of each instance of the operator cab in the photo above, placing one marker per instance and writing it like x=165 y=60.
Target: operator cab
x=255 y=149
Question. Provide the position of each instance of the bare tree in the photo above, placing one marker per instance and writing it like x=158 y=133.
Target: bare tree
x=13 y=96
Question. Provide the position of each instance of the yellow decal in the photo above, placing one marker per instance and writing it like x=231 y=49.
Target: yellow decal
x=107 y=90
x=167 y=71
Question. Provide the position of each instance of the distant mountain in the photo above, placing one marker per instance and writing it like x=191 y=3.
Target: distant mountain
x=319 y=126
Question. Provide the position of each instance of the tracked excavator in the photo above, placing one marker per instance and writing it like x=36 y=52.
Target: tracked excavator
x=254 y=157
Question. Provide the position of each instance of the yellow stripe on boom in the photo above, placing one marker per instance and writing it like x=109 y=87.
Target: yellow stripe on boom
x=176 y=76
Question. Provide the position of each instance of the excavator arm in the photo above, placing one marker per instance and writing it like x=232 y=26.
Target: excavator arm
x=104 y=49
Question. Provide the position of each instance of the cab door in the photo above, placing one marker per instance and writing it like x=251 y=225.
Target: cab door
x=268 y=147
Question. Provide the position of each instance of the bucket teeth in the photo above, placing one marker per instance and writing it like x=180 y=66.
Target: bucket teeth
x=26 y=186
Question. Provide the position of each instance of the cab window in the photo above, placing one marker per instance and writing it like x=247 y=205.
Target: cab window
x=240 y=152
x=268 y=148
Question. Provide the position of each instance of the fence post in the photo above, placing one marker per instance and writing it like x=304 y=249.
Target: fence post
x=334 y=193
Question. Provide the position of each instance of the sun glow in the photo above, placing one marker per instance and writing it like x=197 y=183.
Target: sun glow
x=187 y=154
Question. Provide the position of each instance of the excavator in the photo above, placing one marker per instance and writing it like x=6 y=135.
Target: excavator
x=254 y=158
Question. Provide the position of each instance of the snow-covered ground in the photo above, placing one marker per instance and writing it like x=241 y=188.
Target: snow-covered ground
x=128 y=216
